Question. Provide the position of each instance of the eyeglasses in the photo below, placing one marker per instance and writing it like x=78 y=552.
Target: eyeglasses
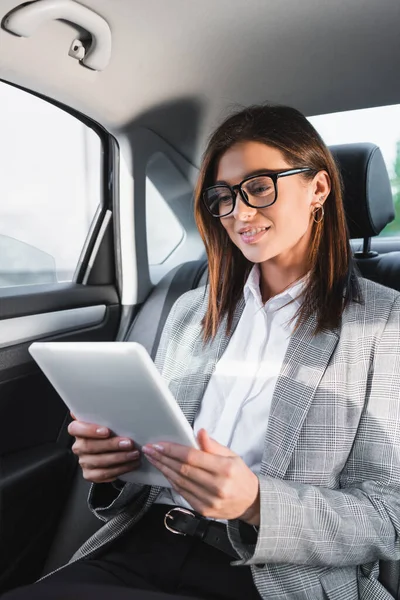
x=257 y=191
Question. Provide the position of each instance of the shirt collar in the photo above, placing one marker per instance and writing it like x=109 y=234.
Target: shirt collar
x=293 y=292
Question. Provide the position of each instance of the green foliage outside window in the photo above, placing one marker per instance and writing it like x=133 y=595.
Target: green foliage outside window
x=394 y=227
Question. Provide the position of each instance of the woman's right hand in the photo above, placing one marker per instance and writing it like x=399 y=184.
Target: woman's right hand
x=103 y=457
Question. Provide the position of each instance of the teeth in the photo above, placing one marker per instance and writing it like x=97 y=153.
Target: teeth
x=253 y=231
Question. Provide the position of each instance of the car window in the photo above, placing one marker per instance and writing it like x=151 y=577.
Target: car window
x=379 y=125
x=50 y=189
x=164 y=231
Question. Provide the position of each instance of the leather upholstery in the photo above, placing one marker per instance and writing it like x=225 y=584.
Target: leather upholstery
x=367 y=196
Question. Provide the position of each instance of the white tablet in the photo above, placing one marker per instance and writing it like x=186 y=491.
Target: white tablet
x=116 y=385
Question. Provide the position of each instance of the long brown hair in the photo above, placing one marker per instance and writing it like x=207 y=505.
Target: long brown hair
x=333 y=282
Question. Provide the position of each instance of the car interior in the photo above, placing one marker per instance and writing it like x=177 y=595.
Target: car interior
x=106 y=107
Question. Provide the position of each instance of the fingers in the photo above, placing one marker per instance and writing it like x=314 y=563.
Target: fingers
x=208 y=444
x=88 y=430
x=106 y=461
x=96 y=446
x=102 y=456
x=183 y=454
x=185 y=477
x=109 y=475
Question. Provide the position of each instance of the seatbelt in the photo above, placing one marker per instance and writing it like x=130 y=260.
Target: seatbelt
x=149 y=322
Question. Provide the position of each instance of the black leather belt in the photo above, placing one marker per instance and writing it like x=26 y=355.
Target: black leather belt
x=182 y=521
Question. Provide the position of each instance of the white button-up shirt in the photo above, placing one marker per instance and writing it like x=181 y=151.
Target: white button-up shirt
x=236 y=404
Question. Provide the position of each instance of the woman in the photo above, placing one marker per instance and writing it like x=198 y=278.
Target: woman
x=288 y=365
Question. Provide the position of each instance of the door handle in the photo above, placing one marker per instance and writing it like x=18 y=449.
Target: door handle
x=26 y=19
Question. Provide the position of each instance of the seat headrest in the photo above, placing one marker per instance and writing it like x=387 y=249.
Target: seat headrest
x=367 y=197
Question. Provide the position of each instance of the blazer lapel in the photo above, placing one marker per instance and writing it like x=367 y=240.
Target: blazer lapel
x=203 y=362
x=305 y=362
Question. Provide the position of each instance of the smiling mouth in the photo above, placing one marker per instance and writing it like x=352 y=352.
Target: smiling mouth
x=250 y=233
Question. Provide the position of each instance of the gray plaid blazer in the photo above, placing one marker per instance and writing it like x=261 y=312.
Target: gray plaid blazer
x=330 y=475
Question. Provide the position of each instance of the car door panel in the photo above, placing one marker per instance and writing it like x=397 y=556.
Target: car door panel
x=36 y=463
x=32 y=300
x=23 y=329
x=33 y=484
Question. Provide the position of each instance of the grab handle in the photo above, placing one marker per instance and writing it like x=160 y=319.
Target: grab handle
x=26 y=19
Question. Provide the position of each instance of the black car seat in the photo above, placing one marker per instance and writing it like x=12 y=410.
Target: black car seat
x=369 y=208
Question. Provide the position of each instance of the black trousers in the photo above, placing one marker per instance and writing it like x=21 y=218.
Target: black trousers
x=154 y=562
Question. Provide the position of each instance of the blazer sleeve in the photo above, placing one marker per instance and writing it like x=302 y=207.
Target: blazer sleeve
x=360 y=522
x=106 y=500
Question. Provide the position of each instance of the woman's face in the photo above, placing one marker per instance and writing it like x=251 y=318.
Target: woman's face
x=280 y=232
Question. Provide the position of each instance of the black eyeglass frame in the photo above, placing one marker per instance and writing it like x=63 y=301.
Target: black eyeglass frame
x=274 y=175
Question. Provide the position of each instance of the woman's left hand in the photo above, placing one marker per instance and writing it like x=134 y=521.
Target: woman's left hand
x=214 y=480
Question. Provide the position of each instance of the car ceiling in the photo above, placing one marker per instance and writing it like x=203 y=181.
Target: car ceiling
x=179 y=66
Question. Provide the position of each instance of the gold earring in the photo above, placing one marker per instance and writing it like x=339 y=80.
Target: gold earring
x=316 y=209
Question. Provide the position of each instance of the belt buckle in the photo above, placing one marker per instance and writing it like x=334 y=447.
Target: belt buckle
x=168 y=515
